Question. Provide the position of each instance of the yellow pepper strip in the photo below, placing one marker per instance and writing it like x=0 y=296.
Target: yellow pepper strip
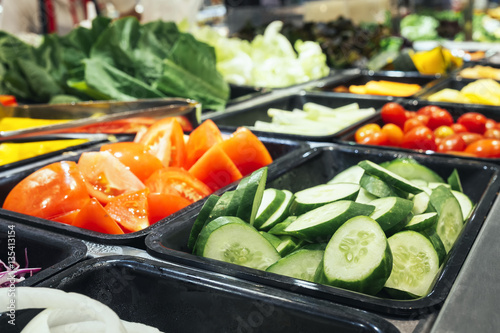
x=14 y=123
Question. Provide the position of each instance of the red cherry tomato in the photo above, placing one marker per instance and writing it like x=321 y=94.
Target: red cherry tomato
x=428 y=110
x=470 y=137
x=438 y=118
x=410 y=114
x=490 y=123
x=394 y=134
x=365 y=130
x=458 y=128
x=453 y=142
x=492 y=133
x=419 y=138
x=488 y=148
x=424 y=119
x=394 y=113
x=376 y=139
x=473 y=121
x=412 y=123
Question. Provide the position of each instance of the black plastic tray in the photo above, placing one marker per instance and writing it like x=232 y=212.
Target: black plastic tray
x=456 y=110
x=316 y=166
x=174 y=298
x=46 y=250
x=425 y=81
x=9 y=178
x=450 y=83
x=248 y=115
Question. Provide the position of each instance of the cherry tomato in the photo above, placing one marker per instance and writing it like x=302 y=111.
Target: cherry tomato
x=165 y=140
x=394 y=134
x=490 y=123
x=177 y=181
x=411 y=123
x=376 y=139
x=428 y=110
x=410 y=114
x=135 y=157
x=492 y=133
x=365 y=130
x=473 y=121
x=488 y=148
x=419 y=138
x=53 y=190
x=130 y=210
x=458 y=128
x=438 y=118
x=470 y=137
x=106 y=177
x=443 y=131
x=162 y=205
x=393 y=113
x=451 y=143
x=424 y=119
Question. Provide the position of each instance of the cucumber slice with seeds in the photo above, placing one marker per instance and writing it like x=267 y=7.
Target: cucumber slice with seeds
x=320 y=195
x=271 y=201
x=357 y=257
x=301 y=264
x=415 y=264
x=391 y=211
x=433 y=237
x=281 y=212
x=201 y=219
x=232 y=240
x=389 y=177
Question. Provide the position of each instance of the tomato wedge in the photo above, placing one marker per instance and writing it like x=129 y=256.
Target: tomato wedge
x=135 y=157
x=215 y=169
x=177 y=181
x=246 y=151
x=201 y=140
x=93 y=217
x=66 y=218
x=53 y=190
x=162 y=205
x=130 y=210
x=165 y=140
x=106 y=177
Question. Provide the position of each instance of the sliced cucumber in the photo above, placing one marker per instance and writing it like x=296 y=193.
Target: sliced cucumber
x=248 y=195
x=432 y=235
x=415 y=264
x=454 y=181
x=279 y=228
x=221 y=207
x=281 y=212
x=364 y=196
x=357 y=257
x=350 y=175
x=376 y=187
x=271 y=201
x=433 y=185
x=301 y=264
x=450 y=219
x=410 y=169
x=465 y=204
x=421 y=203
x=391 y=211
x=419 y=182
x=201 y=219
x=274 y=240
x=320 y=224
x=288 y=244
x=421 y=222
x=232 y=240
x=389 y=177
x=398 y=227
x=320 y=195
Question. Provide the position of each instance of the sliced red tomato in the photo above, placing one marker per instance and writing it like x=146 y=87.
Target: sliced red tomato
x=215 y=169
x=106 y=177
x=135 y=157
x=185 y=123
x=246 y=151
x=165 y=140
x=8 y=100
x=488 y=148
x=66 y=218
x=162 y=205
x=93 y=217
x=177 y=181
x=130 y=210
x=50 y=191
x=201 y=140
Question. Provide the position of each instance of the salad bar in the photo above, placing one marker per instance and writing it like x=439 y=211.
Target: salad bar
x=246 y=198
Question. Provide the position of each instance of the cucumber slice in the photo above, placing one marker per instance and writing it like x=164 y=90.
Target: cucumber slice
x=454 y=181
x=201 y=219
x=350 y=175
x=271 y=201
x=274 y=240
x=249 y=195
x=364 y=196
x=465 y=204
x=421 y=222
x=320 y=195
x=421 y=203
x=280 y=214
x=391 y=211
x=410 y=169
x=432 y=185
x=357 y=257
x=301 y=264
x=288 y=244
x=221 y=207
x=398 y=227
x=279 y=228
x=450 y=219
x=415 y=263
x=376 y=187
x=321 y=223
x=232 y=240
x=389 y=177
x=433 y=237
x=419 y=182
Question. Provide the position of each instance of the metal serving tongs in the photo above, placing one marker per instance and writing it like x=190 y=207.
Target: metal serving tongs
x=87 y=113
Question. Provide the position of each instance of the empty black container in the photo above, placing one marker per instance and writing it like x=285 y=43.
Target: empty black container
x=317 y=166
x=46 y=250
x=10 y=177
x=175 y=298
x=456 y=110
x=248 y=115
